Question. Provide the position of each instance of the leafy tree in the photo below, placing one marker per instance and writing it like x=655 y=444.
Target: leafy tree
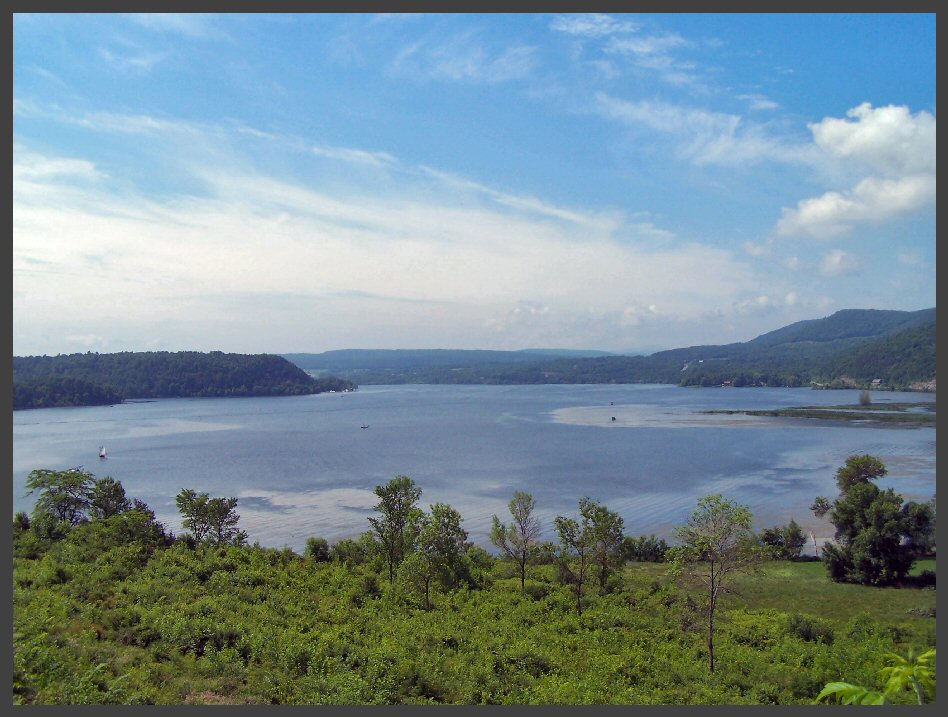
x=440 y=550
x=575 y=554
x=108 y=498
x=210 y=519
x=222 y=519
x=21 y=521
x=605 y=530
x=193 y=509
x=716 y=544
x=785 y=542
x=821 y=506
x=64 y=495
x=920 y=526
x=521 y=538
x=859 y=470
x=355 y=552
x=873 y=529
x=397 y=528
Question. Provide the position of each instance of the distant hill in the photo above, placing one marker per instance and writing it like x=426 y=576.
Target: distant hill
x=351 y=362
x=94 y=378
x=849 y=348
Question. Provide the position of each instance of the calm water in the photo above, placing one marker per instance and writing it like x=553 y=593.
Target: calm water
x=302 y=466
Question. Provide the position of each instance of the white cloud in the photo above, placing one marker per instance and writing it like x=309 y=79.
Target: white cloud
x=896 y=147
x=790 y=299
x=872 y=201
x=838 y=262
x=888 y=140
x=592 y=25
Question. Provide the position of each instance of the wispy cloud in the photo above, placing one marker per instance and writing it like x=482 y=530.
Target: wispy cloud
x=759 y=102
x=140 y=61
x=524 y=203
x=358 y=156
x=592 y=25
x=462 y=265
x=703 y=136
x=839 y=262
x=190 y=24
x=33 y=166
x=464 y=58
x=654 y=53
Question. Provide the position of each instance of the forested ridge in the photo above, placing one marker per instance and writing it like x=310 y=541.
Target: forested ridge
x=103 y=378
x=850 y=348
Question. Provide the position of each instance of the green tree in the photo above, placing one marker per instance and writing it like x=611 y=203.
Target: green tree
x=644 y=549
x=317 y=549
x=222 y=518
x=874 y=529
x=716 y=544
x=605 y=531
x=440 y=550
x=521 y=538
x=785 y=542
x=397 y=528
x=920 y=526
x=64 y=495
x=859 y=470
x=193 y=509
x=213 y=520
x=574 y=554
x=108 y=498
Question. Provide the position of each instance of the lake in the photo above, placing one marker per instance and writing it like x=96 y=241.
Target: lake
x=302 y=466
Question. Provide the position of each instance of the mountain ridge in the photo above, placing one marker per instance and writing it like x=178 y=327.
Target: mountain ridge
x=813 y=351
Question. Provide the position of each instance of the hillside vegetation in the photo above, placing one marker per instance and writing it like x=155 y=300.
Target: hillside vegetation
x=110 y=607
x=851 y=348
x=94 y=378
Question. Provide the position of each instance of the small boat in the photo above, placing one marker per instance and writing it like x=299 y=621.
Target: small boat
x=365 y=425
x=102 y=452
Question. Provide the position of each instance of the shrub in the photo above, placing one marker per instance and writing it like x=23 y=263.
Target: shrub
x=317 y=549
x=809 y=628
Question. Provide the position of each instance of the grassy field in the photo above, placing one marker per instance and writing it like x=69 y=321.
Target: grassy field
x=804 y=587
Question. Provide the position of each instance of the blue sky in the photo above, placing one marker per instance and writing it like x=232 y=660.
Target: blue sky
x=277 y=183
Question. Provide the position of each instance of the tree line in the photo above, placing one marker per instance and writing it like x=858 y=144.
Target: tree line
x=95 y=379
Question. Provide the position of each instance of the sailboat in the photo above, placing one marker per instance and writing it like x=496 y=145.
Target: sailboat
x=102 y=452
